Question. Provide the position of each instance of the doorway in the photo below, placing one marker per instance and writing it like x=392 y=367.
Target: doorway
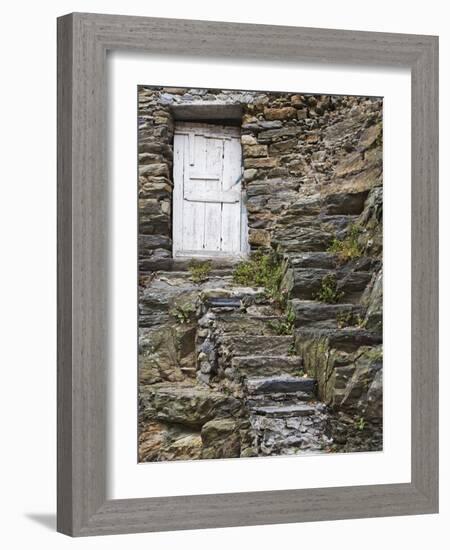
x=209 y=217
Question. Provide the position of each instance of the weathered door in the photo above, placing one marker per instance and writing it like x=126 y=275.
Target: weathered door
x=208 y=215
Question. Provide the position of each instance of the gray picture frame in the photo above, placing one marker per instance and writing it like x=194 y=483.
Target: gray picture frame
x=83 y=41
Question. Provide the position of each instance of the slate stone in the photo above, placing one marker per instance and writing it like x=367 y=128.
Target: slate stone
x=280 y=384
x=267 y=365
x=321 y=260
x=262 y=125
x=234 y=302
x=346 y=339
x=281 y=412
x=305 y=283
x=303 y=240
x=187 y=405
x=317 y=314
x=242 y=344
x=345 y=203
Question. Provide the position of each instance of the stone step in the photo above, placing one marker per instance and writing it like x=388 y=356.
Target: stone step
x=242 y=323
x=253 y=402
x=230 y=295
x=224 y=302
x=218 y=265
x=267 y=365
x=346 y=339
x=329 y=260
x=322 y=260
x=286 y=411
x=242 y=344
x=305 y=283
x=291 y=225
x=290 y=429
x=321 y=315
x=303 y=239
x=280 y=384
x=265 y=310
x=186 y=274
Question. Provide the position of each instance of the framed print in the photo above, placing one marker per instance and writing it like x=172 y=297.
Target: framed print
x=247 y=274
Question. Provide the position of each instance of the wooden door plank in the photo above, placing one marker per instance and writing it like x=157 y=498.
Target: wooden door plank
x=193 y=225
x=177 y=203
x=231 y=227
x=212 y=228
x=213 y=210
x=231 y=213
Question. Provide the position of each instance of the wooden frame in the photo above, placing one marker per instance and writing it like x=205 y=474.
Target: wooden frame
x=83 y=40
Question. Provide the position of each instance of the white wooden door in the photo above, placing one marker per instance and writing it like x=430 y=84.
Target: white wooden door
x=208 y=215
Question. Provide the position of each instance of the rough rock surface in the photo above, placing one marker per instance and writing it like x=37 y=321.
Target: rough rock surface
x=216 y=379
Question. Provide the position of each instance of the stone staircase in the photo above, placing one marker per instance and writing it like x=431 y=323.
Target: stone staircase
x=306 y=272
x=228 y=384
x=339 y=343
x=285 y=416
x=280 y=402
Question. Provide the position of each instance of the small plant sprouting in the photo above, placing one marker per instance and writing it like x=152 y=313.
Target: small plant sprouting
x=345 y=319
x=183 y=313
x=348 y=248
x=199 y=271
x=360 y=321
x=263 y=270
x=292 y=350
x=349 y=319
x=328 y=292
x=360 y=424
x=284 y=326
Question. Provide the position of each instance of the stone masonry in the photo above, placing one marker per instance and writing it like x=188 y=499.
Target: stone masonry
x=217 y=378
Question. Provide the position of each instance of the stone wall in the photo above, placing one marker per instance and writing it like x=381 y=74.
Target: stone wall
x=293 y=146
x=312 y=174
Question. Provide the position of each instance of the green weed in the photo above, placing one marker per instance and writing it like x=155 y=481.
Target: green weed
x=263 y=270
x=350 y=319
x=199 y=271
x=183 y=313
x=360 y=424
x=328 y=292
x=285 y=325
x=348 y=248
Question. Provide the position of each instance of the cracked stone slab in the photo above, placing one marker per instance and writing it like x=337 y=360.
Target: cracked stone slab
x=280 y=384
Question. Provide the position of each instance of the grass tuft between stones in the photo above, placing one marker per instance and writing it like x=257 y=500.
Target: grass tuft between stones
x=328 y=292
x=183 y=314
x=348 y=248
x=284 y=326
x=199 y=271
x=263 y=270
